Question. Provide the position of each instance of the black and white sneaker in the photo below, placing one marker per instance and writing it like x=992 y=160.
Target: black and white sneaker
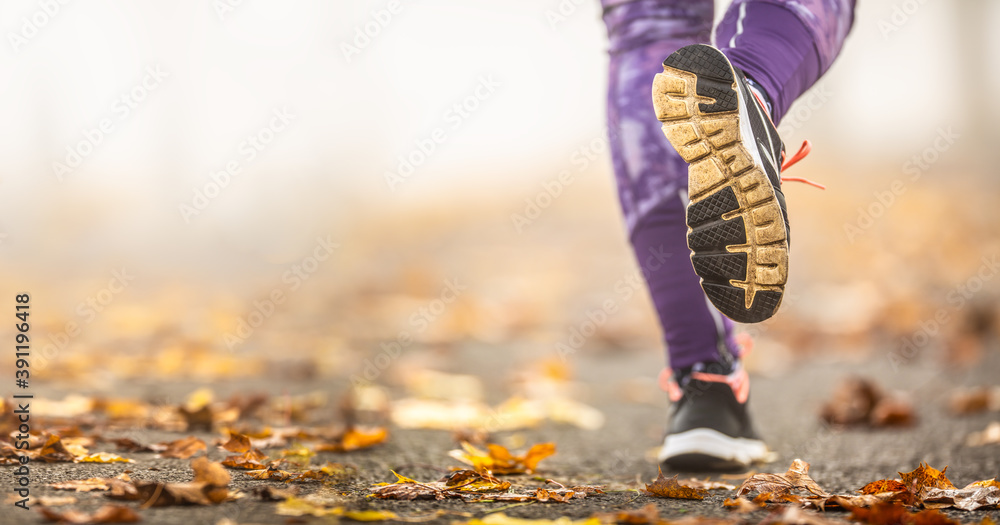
x=737 y=222
x=709 y=425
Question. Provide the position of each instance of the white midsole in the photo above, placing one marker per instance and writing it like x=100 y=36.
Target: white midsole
x=713 y=443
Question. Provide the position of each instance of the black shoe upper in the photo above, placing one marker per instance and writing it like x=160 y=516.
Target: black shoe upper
x=713 y=405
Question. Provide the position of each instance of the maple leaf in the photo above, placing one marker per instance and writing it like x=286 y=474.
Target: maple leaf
x=664 y=487
x=105 y=514
x=498 y=460
x=925 y=477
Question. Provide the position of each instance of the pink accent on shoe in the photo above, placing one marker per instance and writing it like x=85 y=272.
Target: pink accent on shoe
x=739 y=381
x=668 y=385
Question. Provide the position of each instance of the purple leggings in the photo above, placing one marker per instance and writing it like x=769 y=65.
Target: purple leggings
x=783 y=45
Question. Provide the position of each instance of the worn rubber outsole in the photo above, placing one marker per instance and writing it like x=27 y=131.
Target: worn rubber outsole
x=736 y=229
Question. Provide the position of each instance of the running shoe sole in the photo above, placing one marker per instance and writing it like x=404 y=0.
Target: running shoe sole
x=706 y=449
x=737 y=231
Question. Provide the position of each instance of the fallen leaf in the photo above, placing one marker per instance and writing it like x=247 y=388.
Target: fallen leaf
x=970 y=401
x=969 y=498
x=208 y=487
x=796 y=478
x=741 y=505
x=271 y=493
x=925 y=477
x=355 y=438
x=895 y=514
x=182 y=448
x=105 y=514
x=103 y=457
x=87 y=485
x=648 y=515
x=664 y=487
x=249 y=460
x=237 y=443
x=706 y=484
x=498 y=460
x=988 y=436
x=883 y=485
x=859 y=401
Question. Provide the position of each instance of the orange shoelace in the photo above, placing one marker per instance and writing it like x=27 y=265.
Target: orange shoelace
x=789 y=162
x=799 y=155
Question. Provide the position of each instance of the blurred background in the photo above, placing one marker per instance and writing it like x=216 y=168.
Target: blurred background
x=204 y=190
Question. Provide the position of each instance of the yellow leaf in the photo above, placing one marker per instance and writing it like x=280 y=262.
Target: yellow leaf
x=103 y=457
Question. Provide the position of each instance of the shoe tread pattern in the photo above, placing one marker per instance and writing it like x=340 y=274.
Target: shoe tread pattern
x=737 y=222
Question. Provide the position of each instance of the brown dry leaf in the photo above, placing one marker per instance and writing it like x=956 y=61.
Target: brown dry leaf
x=468 y=485
x=859 y=401
x=777 y=486
x=498 y=460
x=103 y=457
x=89 y=484
x=925 y=477
x=988 y=436
x=970 y=401
x=706 y=484
x=355 y=438
x=105 y=514
x=545 y=495
x=896 y=514
x=971 y=497
x=741 y=505
x=249 y=460
x=648 y=515
x=883 y=485
x=797 y=516
x=53 y=451
x=270 y=493
x=182 y=448
x=208 y=487
x=664 y=487
x=130 y=445
x=237 y=443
